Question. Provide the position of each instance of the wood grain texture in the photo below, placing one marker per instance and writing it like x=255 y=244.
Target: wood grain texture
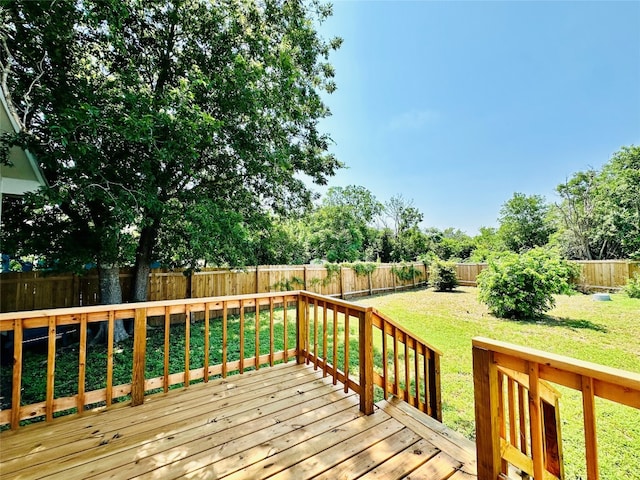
x=285 y=422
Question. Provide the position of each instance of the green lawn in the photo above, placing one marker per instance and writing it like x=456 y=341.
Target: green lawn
x=602 y=332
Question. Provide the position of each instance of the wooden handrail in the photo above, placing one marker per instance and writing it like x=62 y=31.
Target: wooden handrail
x=83 y=317
x=325 y=326
x=416 y=381
x=530 y=368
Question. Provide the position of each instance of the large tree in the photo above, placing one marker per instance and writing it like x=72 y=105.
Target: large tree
x=167 y=130
x=340 y=228
x=599 y=213
x=524 y=222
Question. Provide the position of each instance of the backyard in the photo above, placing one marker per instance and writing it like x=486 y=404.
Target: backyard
x=579 y=327
x=600 y=332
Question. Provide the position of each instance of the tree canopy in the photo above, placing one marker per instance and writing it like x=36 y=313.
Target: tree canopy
x=161 y=123
x=599 y=215
x=167 y=130
x=523 y=222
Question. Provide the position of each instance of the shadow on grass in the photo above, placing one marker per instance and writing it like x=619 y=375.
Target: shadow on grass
x=572 y=323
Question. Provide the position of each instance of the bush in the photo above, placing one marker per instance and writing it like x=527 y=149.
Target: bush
x=632 y=288
x=443 y=276
x=522 y=285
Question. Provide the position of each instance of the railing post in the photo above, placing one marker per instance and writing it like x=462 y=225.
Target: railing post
x=485 y=384
x=16 y=388
x=301 y=328
x=366 y=361
x=139 y=356
x=434 y=386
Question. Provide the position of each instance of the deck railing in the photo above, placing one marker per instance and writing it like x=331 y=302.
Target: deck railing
x=517 y=411
x=393 y=359
x=251 y=331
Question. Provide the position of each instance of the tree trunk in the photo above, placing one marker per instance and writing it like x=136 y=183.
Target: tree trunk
x=110 y=293
x=143 y=263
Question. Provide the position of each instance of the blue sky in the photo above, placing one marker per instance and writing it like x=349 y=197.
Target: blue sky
x=457 y=105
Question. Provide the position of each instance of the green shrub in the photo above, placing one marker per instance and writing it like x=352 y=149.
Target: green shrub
x=632 y=288
x=522 y=285
x=443 y=275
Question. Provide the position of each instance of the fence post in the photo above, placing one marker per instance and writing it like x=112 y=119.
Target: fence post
x=393 y=276
x=139 y=355
x=366 y=361
x=301 y=329
x=304 y=278
x=341 y=284
x=485 y=386
x=257 y=280
x=413 y=275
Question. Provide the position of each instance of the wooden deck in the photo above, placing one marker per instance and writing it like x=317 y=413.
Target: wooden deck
x=283 y=422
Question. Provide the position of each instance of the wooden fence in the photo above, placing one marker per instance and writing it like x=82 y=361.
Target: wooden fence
x=594 y=275
x=37 y=290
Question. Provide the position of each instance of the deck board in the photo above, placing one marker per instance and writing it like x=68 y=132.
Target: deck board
x=285 y=422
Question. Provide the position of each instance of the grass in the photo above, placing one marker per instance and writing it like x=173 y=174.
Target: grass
x=602 y=332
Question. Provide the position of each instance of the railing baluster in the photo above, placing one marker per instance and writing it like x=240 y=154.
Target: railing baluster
x=271 y=334
x=205 y=365
x=315 y=334
x=257 y=339
x=110 y=332
x=365 y=331
x=187 y=346
x=396 y=379
x=167 y=327
x=501 y=416
x=417 y=376
x=324 y=339
x=242 y=333
x=224 y=339
x=82 y=363
x=346 y=350
x=512 y=411
x=407 y=379
x=384 y=360
x=590 y=438
x=427 y=402
x=307 y=317
x=335 y=344
x=284 y=329
x=535 y=421
x=51 y=368
x=523 y=419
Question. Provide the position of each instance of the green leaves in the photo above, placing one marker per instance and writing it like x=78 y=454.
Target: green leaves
x=524 y=222
x=522 y=286
x=600 y=210
x=189 y=120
